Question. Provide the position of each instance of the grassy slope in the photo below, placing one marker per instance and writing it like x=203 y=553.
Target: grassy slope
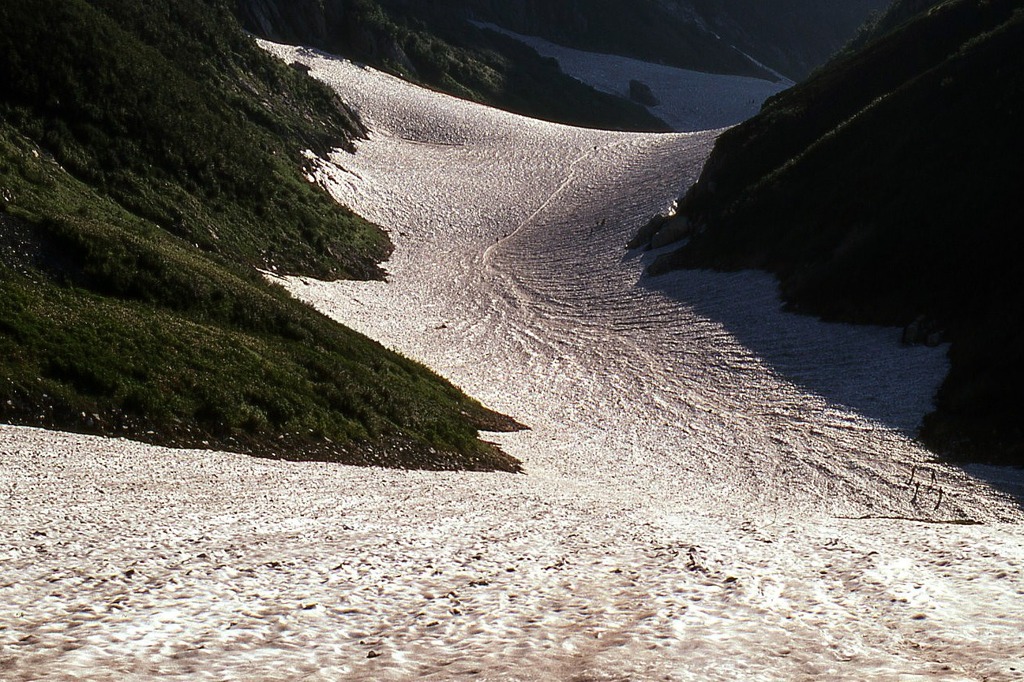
x=149 y=158
x=186 y=124
x=886 y=187
x=434 y=46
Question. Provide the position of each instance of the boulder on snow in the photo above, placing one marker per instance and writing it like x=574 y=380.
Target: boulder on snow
x=923 y=330
x=673 y=230
x=641 y=93
x=644 y=234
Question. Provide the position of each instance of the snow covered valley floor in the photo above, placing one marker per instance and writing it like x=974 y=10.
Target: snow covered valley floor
x=714 y=491
x=687 y=100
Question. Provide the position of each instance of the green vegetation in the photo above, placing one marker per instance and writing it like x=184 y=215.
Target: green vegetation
x=186 y=123
x=150 y=161
x=435 y=43
x=885 y=189
x=434 y=46
x=457 y=58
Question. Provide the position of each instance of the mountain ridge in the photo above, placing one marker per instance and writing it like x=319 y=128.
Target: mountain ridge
x=439 y=45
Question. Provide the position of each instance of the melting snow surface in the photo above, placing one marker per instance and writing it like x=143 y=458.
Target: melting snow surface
x=689 y=100
x=702 y=501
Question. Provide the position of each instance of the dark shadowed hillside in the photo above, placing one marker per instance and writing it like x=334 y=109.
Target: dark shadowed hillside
x=744 y=37
x=436 y=44
x=433 y=45
x=885 y=190
x=150 y=161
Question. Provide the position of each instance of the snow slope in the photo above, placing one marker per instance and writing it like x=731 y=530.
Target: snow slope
x=689 y=100
x=701 y=501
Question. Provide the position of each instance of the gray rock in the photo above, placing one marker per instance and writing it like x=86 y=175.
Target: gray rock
x=641 y=93
x=672 y=231
x=644 y=234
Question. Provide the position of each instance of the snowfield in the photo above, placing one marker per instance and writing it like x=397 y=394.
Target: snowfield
x=715 y=490
x=688 y=100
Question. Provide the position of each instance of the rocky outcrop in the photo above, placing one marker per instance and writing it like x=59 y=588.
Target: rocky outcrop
x=341 y=26
x=923 y=331
x=643 y=236
x=674 y=230
x=662 y=230
x=375 y=46
x=305 y=21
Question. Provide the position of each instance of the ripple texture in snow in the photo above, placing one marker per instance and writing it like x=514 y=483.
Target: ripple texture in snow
x=715 y=490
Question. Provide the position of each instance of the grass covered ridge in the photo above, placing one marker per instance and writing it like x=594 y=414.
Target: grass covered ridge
x=149 y=163
x=170 y=110
x=433 y=45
